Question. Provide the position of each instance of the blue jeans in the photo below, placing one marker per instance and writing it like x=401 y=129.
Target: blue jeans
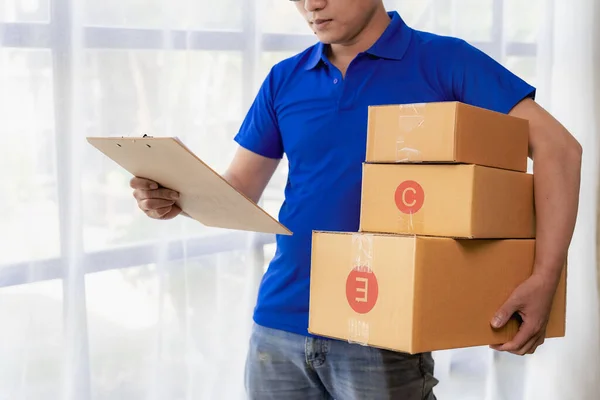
x=286 y=366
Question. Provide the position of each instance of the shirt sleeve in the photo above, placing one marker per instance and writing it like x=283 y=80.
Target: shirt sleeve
x=259 y=131
x=479 y=80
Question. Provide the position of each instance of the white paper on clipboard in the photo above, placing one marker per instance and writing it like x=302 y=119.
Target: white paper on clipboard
x=204 y=194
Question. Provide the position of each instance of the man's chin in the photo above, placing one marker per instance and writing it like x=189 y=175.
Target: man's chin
x=326 y=38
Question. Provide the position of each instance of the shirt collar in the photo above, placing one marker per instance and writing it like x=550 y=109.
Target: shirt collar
x=392 y=44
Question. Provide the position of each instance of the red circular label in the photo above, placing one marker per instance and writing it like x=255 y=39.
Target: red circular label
x=409 y=197
x=362 y=289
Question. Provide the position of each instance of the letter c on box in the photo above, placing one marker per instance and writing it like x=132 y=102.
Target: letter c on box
x=409 y=197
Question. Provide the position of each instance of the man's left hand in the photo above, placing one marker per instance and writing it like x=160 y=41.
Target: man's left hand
x=532 y=300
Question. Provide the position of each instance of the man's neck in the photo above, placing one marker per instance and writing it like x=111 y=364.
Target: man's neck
x=344 y=53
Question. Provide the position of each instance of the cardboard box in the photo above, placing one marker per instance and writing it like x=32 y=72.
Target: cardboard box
x=457 y=200
x=417 y=294
x=446 y=132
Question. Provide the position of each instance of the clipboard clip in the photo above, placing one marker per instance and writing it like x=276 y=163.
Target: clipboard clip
x=145 y=136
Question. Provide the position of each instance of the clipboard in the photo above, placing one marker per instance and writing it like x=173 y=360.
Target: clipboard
x=203 y=194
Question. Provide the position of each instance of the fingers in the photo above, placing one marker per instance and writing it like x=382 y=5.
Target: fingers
x=525 y=334
x=526 y=341
x=164 y=213
x=142 y=183
x=527 y=347
x=505 y=312
x=537 y=344
x=165 y=194
x=154 y=204
x=147 y=189
x=158 y=213
x=158 y=200
x=175 y=211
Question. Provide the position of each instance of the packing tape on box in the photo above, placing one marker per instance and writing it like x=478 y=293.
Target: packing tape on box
x=406 y=154
x=362 y=262
x=362 y=256
x=407 y=123
x=358 y=332
x=410 y=223
x=409 y=198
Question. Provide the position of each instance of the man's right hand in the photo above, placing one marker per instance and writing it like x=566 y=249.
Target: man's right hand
x=155 y=201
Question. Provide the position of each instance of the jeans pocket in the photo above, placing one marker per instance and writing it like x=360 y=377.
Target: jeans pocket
x=427 y=367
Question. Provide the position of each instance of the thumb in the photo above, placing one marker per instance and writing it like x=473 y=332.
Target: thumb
x=505 y=312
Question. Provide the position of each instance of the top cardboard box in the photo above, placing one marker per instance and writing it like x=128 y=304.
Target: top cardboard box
x=449 y=132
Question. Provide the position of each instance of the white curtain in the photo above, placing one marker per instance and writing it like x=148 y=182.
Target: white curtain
x=568 y=69
x=99 y=302
x=570 y=368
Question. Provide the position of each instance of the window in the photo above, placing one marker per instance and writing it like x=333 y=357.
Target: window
x=189 y=307
x=24 y=11
x=28 y=170
x=157 y=14
x=193 y=95
x=31 y=341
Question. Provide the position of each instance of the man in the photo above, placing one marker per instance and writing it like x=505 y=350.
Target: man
x=313 y=108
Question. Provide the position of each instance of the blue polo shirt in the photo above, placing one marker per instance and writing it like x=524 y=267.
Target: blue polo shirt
x=307 y=110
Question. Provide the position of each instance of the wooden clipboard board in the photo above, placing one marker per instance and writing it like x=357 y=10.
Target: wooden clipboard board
x=204 y=194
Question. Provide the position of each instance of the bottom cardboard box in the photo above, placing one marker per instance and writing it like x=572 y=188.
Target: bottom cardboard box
x=416 y=294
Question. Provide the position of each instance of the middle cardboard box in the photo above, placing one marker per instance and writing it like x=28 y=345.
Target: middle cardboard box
x=449 y=200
